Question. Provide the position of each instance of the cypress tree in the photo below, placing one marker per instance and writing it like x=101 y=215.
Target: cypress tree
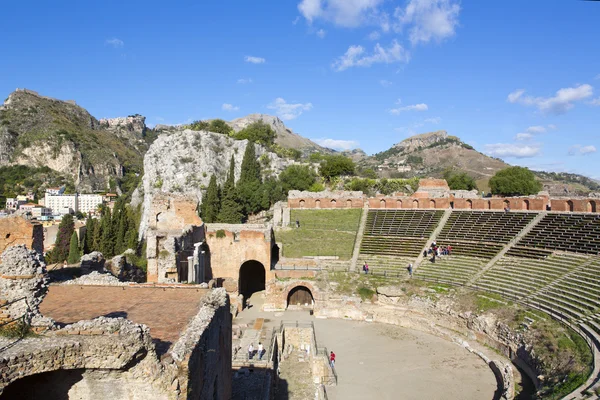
x=120 y=225
x=132 y=232
x=60 y=251
x=107 y=240
x=209 y=210
x=74 y=254
x=249 y=186
x=231 y=211
x=230 y=182
x=90 y=225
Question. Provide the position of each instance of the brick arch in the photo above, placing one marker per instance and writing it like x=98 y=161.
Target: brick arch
x=333 y=203
x=431 y=203
x=398 y=203
x=469 y=204
x=317 y=203
x=349 y=203
x=415 y=204
x=382 y=203
x=526 y=205
x=570 y=206
x=302 y=203
x=297 y=284
x=592 y=206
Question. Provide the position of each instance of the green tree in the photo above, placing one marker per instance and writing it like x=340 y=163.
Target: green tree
x=107 y=239
x=258 y=132
x=249 y=191
x=131 y=237
x=74 y=254
x=199 y=125
x=515 y=181
x=231 y=211
x=459 y=180
x=90 y=229
x=230 y=181
x=209 y=209
x=297 y=177
x=120 y=224
x=60 y=252
x=336 y=165
x=272 y=192
x=219 y=126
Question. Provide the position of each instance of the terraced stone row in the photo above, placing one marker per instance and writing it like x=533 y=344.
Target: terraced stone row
x=405 y=223
x=485 y=226
x=451 y=269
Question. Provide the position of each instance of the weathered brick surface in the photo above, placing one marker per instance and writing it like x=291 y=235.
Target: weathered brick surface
x=17 y=230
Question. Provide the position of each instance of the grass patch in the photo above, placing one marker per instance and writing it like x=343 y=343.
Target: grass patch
x=321 y=233
x=365 y=293
x=489 y=302
x=18 y=329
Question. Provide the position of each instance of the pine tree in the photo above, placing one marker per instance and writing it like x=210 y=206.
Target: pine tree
x=209 y=210
x=231 y=211
x=60 y=251
x=249 y=186
x=74 y=254
x=131 y=237
x=90 y=229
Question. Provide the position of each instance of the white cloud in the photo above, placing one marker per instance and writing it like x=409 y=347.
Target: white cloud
x=114 y=42
x=536 y=129
x=428 y=20
x=243 y=81
x=375 y=35
x=254 y=60
x=385 y=83
x=523 y=136
x=413 y=107
x=434 y=120
x=355 y=56
x=321 y=33
x=296 y=20
x=512 y=150
x=581 y=150
x=347 y=13
x=595 y=102
x=337 y=144
x=560 y=103
x=229 y=107
x=287 y=111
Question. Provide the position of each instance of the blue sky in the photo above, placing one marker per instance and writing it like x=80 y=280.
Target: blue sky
x=519 y=80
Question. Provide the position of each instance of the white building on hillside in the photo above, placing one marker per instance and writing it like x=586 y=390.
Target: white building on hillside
x=85 y=203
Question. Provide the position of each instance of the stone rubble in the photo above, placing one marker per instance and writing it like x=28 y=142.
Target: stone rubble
x=93 y=261
x=96 y=279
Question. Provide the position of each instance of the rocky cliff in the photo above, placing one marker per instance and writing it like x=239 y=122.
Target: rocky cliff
x=40 y=131
x=182 y=163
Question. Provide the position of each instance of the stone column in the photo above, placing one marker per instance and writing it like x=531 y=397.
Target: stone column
x=191 y=278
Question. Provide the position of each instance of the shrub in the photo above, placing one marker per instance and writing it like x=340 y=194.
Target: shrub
x=221 y=234
x=297 y=177
x=257 y=132
x=515 y=181
x=336 y=165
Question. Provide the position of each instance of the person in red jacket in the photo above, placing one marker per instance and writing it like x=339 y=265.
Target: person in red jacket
x=332 y=359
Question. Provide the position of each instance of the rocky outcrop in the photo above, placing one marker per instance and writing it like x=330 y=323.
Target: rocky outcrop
x=285 y=136
x=40 y=131
x=423 y=140
x=93 y=261
x=120 y=268
x=183 y=162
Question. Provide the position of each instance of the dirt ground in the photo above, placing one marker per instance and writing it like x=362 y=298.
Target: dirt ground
x=378 y=361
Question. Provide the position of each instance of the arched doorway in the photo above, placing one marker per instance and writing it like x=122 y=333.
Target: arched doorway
x=382 y=203
x=398 y=203
x=591 y=206
x=252 y=278
x=469 y=204
x=525 y=204
x=506 y=204
x=302 y=203
x=317 y=203
x=415 y=203
x=300 y=296
x=349 y=203
x=431 y=203
x=489 y=205
x=333 y=203
x=570 y=206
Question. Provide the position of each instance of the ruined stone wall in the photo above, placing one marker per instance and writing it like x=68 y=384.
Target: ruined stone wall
x=326 y=199
x=277 y=291
x=17 y=230
x=203 y=352
x=238 y=244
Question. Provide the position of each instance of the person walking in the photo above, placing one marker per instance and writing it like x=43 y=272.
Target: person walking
x=250 y=351
x=261 y=350
x=410 y=270
x=332 y=359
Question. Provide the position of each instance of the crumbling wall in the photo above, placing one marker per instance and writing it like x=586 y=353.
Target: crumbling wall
x=203 y=352
x=23 y=284
x=17 y=230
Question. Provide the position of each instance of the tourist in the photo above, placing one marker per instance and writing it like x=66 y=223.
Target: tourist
x=410 y=270
x=366 y=268
x=297 y=223
x=261 y=350
x=449 y=250
x=424 y=253
x=332 y=359
x=250 y=351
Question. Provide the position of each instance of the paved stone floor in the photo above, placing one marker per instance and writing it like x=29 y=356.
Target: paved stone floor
x=166 y=311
